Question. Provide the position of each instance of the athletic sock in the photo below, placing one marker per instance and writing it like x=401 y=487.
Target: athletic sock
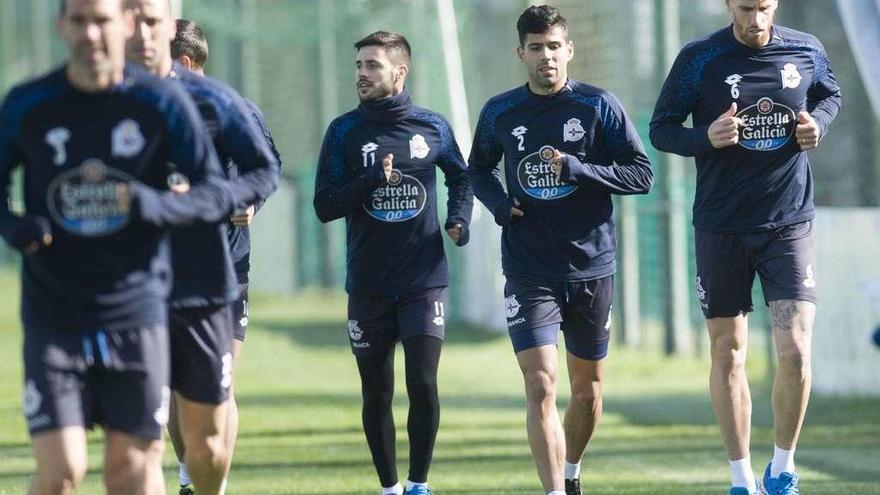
x=183 y=474
x=783 y=461
x=742 y=475
x=572 y=471
x=393 y=490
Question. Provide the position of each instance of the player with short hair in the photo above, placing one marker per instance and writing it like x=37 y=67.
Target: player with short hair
x=377 y=169
x=94 y=139
x=567 y=147
x=204 y=277
x=760 y=96
x=190 y=49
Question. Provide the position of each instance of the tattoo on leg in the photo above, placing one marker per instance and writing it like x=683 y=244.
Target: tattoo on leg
x=783 y=314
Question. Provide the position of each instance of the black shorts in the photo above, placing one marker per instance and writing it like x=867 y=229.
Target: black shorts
x=536 y=311
x=117 y=379
x=201 y=353
x=377 y=322
x=726 y=265
x=240 y=312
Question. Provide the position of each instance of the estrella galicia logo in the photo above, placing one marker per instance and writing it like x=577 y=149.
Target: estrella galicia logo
x=401 y=199
x=767 y=125
x=536 y=178
x=90 y=200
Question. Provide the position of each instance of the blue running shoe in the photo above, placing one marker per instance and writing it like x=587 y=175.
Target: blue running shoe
x=785 y=484
x=739 y=490
x=418 y=490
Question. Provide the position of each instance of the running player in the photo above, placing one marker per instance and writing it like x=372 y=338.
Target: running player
x=760 y=95
x=94 y=139
x=204 y=278
x=377 y=170
x=567 y=147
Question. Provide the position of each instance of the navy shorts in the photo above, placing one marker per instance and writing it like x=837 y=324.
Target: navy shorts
x=201 y=353
x=537 y=310
x=727 y=263
x=118 y=379
x=377 y=322
x=240 y=312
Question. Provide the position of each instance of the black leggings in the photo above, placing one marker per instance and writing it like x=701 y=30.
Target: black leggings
x=377 y=387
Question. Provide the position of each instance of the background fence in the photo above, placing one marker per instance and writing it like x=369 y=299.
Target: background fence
x=294 y=58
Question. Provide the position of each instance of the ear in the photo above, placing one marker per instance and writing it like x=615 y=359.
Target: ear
x=520 y=53
x=570 y=50
x=186 y=62
x=402 y=71
x=128 y=21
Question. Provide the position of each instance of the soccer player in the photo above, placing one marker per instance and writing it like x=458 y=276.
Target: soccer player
x=567 y=146
x=94 y=139
x=190 y=49
x=204 y=278
x=377 y=169
x=760 y=96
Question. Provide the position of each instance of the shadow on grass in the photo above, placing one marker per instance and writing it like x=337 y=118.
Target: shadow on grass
x=322 y=334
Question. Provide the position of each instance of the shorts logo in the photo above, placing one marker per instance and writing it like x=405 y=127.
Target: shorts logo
x=608 y=321
x=90 y=200
x=438 y=314
x=538 y=180
x=401 y=199
x=243 y=322
x=57 y=138
x=226 y=370
x=31 y=399
x=767 y=125
x=809 y=282
x=791 y=78
x=126 y=139
x=572 y=131
x=177 y=182
x=511 y=305
x=161 y=413
x=418 y=147
x=701 y=293
x=354 y=330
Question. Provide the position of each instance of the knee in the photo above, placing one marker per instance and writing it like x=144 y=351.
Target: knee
x=728 y=355
x=124 y=472
x=421 y=386
x=206 y=451
x=540 y=386
x=587 y=397
x=61 y=478
x=794 y=358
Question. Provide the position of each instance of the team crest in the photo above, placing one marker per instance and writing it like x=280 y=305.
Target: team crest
x=126 y=139
x=57 y=138
x=572 y=131
x=32 y=399
x=791 y=78
x=809 y=282
x=418 y=148
x=511 y=305
x=354 y=330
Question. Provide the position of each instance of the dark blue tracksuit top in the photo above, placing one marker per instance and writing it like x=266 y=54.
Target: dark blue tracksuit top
x=764 y=182
x=204 y=274
x=567 y=232
x=108 y=266
x=395 y=245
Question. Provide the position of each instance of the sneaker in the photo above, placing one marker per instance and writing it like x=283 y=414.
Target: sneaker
x=785 y=484
x=573 y=487
x=739 y=490
x=418 y=490
x=187 y=490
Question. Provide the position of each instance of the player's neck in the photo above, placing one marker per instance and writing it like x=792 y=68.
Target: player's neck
x=163 y=70
x=547 y=90
x=90 y=81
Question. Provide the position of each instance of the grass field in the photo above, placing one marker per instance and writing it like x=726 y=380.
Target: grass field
x=301 y=434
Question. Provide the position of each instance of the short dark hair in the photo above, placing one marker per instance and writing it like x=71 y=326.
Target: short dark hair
x=539 y=19
x=190 y=41
x=395 y=44
x=62 y=7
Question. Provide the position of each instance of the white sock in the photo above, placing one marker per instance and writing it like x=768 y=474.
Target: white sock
x=741 y=472
x=410 y=484
x=393 y=490
x=183 y=474
x=556 y=492
x=572 y=471
x=783 y=462
x=223 y=487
